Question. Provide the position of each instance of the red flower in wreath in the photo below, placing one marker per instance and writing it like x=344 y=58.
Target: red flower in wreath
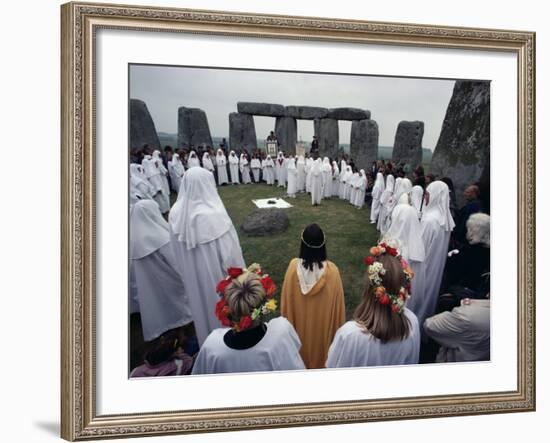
x=219 y=306
x=384 y=299
x=234 y=272
x=269 y=286
x=395 y=308
x=369 y=260
x=391 y=251
x=225 y=321
x=220 y=288
x=245 y=322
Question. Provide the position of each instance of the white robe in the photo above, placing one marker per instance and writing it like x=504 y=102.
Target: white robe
x=269 y=171
x=176 y=171
x=280 y=166
x=342 y=179
x=292 y=178
x=245 y=170
x=234 y=169
x=353 y=188
x=436 y=243
x=309 y=165
x=385 y=199
x=140 y=188
x=158 y=286
x=316 y=183
x=377 y=191
x=301 y=176
x=163 y=303
x=464 y=333
x=278 y=350
x=327 y=179
x=159 y=190
x=205 y=245
x=335 y=179
x=255 y=166
x=221 y=164
x=353 y=347
x=361 y=189
x=207 y=162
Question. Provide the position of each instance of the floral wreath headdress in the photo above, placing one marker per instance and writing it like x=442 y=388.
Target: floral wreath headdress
x=375 y=271
x=267 y=307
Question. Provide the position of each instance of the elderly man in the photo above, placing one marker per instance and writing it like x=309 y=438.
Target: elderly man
x=472 y=206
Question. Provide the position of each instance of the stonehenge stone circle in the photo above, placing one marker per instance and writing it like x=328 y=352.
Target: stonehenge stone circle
x=286 y=132
x=462 y=151
x=348 y=114
x=142 y=127
x=364 y=143
x=242 y=131
x=193 y=127
x=305 y=112
x=326 y=131
x=407 y=147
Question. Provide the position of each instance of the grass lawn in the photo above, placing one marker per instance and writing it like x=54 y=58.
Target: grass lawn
x=348 y=233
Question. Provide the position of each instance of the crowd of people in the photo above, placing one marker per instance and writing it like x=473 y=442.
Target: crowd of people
x=427 y=284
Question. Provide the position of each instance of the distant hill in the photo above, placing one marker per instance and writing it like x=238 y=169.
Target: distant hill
x=383 y=151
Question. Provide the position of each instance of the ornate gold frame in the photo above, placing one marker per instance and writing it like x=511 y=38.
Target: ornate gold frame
x=79 y=24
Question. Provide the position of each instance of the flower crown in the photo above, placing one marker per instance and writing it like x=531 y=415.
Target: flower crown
x=376 y=270
x=268 y=306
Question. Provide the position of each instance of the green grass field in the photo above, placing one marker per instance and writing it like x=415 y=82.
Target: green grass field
x=348 y=232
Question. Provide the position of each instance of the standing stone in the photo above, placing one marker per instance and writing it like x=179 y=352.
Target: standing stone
x=364 y=143
x=286 y=132
x=142 y=127
x=462 y=151
x=407 y=148
x=242 y=132
x=326 y=131
x=264 y=109
x=193 y=127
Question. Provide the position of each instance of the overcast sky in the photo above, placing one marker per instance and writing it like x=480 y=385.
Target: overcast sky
x=217 y=91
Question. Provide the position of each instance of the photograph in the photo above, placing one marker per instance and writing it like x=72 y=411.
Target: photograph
x=295 y=221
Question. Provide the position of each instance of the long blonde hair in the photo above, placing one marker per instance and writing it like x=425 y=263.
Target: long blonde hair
x=379 y=319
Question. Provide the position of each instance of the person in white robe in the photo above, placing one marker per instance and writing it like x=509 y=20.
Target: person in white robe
x=417 y=196
x=436 y=226
x=463 y=333
x=153 y=174
x=326 y=170
x=163 y=172
x=205 y=245
x=140 y=188
x=335 y=179
x=307 y=170
x=277 y=351
x=383 y=215
x=379 y=334
x=402 y=187
x=193 y=160
x=269 y=170
x=255 y=166
x=353 y=188
x=377 y=191
x=162 y=299
x=316 y=183
x=244 y=167
x=353 y=346
x=361 y=189
x=292 y=177
x=252 y=345
x=176 y=171
x=221 y=165
x=280 y=166
x=406 y=230
x=342 y=185
x=207 y=162
x=234 y=168
x=347 y=182
x=301 y=174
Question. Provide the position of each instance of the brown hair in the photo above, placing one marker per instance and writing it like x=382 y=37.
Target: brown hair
x=379 y=319
x=243 y=295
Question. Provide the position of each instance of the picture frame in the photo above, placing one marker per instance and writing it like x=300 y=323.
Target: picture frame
x=79 y=231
